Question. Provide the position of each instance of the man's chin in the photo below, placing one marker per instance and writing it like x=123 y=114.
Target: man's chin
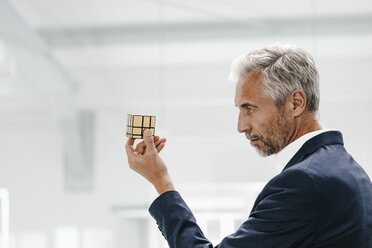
x=262 y=152
x=260 y=148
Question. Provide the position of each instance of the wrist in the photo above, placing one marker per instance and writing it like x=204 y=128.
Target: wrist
x=163 y=185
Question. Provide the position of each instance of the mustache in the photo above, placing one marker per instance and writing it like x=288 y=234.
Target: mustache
x=253 y=136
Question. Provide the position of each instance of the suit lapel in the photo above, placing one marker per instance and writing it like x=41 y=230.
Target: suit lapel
x=313 y=144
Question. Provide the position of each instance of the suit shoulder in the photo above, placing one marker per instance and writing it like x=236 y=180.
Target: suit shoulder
x=294 y=176
x=294 y=181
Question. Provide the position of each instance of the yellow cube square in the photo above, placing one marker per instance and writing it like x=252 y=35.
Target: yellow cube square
x=137 y=124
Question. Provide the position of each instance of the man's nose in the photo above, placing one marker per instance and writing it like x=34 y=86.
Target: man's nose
x=243 y=124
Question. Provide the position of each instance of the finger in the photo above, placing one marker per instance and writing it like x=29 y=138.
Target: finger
x=140 y=148
x=158 y=141
x=129 y=147
x=131 y=141
x=149 y=141
x=160 y=147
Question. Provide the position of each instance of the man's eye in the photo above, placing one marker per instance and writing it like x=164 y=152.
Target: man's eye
x=248 y=110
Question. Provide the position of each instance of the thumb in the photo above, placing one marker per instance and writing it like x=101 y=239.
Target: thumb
x=149 y=141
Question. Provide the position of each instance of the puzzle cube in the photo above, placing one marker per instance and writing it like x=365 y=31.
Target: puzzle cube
x=137 y=124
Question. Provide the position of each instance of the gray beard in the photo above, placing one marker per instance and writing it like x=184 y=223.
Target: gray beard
x=276 y=138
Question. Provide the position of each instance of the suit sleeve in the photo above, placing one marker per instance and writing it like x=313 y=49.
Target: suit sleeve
x=285 y=215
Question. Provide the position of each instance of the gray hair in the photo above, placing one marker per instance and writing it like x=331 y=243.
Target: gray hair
x=284 y=69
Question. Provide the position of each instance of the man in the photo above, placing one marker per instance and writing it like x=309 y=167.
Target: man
x=322 y=197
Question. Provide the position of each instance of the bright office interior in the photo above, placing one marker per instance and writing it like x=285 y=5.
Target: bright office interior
x=71 y=70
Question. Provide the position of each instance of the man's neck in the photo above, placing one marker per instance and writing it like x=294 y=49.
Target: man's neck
x=303 y=125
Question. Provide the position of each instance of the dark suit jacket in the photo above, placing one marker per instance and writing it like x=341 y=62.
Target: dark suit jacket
x=322 y=198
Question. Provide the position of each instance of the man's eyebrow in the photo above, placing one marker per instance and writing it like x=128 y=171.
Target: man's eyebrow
x=244 y=105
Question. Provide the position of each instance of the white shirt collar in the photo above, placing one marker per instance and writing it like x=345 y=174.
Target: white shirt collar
x=286 y=154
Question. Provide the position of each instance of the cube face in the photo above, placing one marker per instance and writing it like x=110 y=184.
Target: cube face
x=137 y=124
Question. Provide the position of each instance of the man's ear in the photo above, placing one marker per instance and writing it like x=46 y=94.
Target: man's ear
x=298 y=102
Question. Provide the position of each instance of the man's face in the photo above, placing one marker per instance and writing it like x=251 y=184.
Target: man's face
x=265 y=125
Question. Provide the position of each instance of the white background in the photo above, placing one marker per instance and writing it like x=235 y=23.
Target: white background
x=170 y=58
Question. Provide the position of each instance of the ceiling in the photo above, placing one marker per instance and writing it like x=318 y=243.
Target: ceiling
x=56 y=14
x=108 y=49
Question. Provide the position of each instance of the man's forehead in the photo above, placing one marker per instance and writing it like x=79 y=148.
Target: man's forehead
x=251 y=76
x=248 y=88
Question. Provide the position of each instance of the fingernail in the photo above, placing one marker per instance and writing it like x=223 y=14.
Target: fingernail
x=148 y=132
